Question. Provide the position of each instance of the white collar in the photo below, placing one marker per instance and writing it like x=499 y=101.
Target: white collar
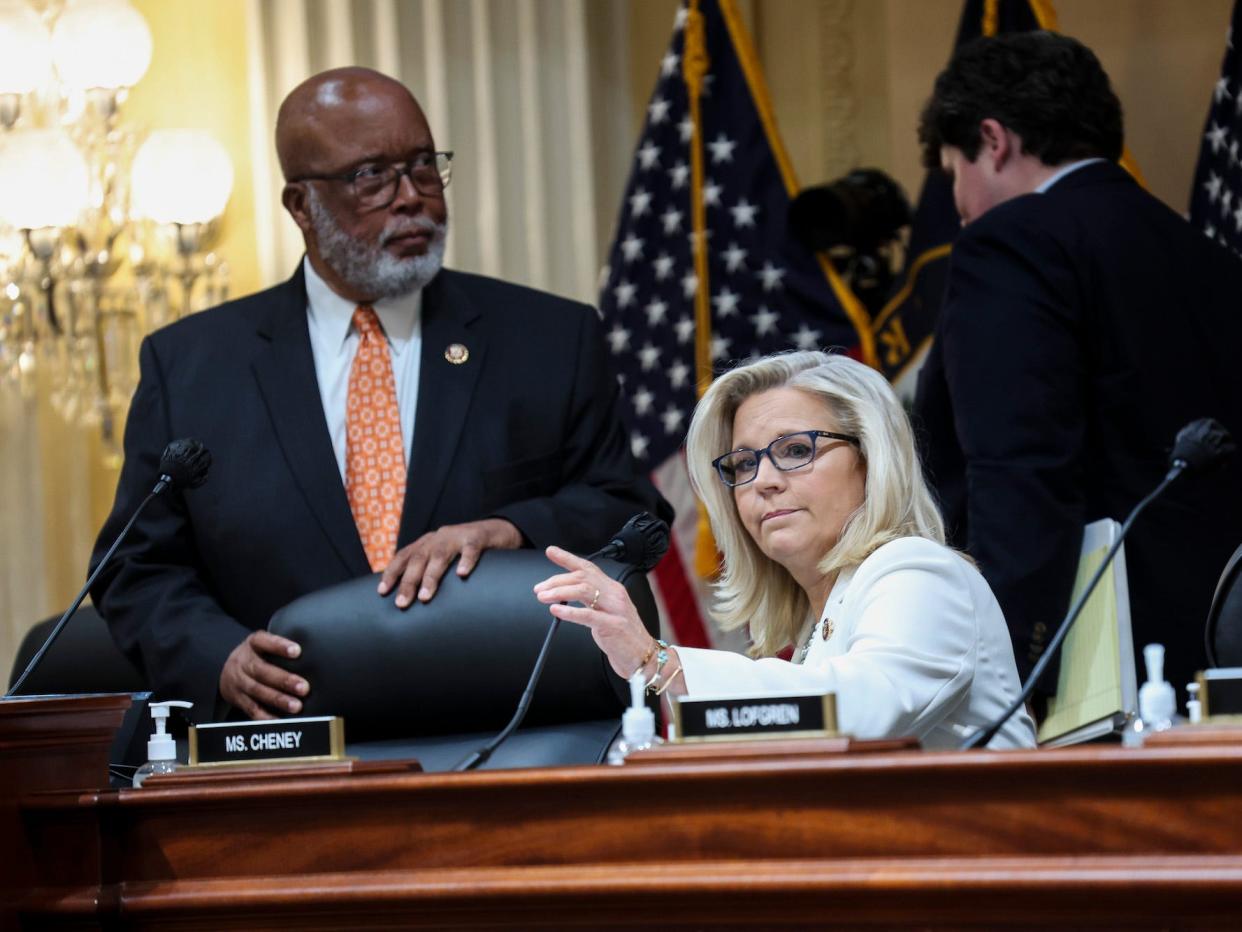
x=398 y=316
x=1063 y=171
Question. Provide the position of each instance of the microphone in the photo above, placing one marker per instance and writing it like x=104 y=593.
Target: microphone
x=1199 y=445
x=183 y=465
x=640 y=543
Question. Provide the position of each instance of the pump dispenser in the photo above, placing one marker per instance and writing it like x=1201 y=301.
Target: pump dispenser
x=161 y=748
x=1157 y=698
x=1194 y=706
x=637 y=724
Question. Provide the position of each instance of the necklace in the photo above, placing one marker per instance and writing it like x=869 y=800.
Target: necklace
x=825 y=627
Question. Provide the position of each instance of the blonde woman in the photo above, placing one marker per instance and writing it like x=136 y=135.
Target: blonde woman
x=832 y=545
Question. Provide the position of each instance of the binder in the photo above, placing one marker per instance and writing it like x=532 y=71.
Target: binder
x=1097 y=689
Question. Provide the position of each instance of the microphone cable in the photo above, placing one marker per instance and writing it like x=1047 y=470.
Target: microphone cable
x=641 y=543
x=1200 y=444
x=183 y=464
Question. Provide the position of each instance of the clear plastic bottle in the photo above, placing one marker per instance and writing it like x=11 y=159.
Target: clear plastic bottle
x=1194 y=706
x=153 y=767
x=638 y=730
x=161 y=748
x=1157 y=698
x=1157 y=702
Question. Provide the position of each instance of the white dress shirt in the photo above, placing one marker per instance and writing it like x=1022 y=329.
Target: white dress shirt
x=334 y=340
x=918 y=646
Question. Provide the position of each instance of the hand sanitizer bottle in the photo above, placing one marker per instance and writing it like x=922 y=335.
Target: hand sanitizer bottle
x=1194 y=706
x=161 y=749
x=637 y=724
x=1157 y=698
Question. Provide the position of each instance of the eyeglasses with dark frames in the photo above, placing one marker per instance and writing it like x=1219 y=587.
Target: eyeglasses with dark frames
x=375 y=186
x=792 y=451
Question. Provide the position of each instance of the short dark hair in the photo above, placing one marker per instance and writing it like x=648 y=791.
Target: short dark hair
x=1047 y=88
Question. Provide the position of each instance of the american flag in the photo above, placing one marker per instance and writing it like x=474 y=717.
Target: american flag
x=1216 y=199
x=753 y=291
x=904 y=326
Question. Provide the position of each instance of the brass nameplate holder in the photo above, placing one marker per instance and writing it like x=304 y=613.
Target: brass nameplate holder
x=278 y=741
x=1220 y=692
x=772 y=716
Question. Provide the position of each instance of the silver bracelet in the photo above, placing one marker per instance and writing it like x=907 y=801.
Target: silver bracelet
x=661 y=659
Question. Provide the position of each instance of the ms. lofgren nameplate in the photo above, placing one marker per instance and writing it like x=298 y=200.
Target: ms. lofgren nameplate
x=783 y=716
x=286 y=739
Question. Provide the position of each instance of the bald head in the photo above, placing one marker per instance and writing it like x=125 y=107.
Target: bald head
x=340 y=105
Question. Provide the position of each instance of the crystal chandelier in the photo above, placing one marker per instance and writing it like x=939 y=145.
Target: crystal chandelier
x=104 y=230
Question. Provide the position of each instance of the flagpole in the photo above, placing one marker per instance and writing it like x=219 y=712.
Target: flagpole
x=694 y=66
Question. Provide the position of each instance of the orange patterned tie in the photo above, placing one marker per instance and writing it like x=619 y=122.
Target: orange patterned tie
x=374 y=458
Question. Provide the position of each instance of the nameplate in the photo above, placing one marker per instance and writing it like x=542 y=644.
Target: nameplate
x=1220 y=691
x=285 y=739
x=771 y=716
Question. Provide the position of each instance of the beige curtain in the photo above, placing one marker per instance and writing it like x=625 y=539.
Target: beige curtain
x=55 y=490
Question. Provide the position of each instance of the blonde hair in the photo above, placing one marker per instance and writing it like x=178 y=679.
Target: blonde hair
x=754 y=589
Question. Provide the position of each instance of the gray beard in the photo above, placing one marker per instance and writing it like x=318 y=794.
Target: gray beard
x=367 y=268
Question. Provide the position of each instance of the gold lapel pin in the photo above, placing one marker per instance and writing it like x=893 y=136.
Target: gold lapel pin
x=826 y=630
x=456 y=353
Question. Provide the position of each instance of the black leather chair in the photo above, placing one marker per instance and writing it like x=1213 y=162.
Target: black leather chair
x=1223 y=633
x=84 y=659
x=438 y=680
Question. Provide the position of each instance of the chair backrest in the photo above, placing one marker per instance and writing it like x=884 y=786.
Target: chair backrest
x=458 y=664
x=1222 y=634
x=84 y=659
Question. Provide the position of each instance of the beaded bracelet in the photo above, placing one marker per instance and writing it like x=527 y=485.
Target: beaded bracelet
x=661 y=660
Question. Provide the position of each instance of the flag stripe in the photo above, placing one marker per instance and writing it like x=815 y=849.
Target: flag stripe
x=677 y=593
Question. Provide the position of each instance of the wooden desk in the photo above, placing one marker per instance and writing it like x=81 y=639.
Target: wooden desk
x=1098 y=838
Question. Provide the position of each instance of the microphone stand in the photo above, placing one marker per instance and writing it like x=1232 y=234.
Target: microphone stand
x=642 y=538
x=64 y=619
x=983 y=735
x=480 y=757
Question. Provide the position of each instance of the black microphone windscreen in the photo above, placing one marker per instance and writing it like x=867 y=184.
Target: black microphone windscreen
x=642 y=542
x=1202 y=443
x=185 y=463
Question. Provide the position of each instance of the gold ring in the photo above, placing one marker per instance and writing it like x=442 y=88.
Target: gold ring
x=594 y=601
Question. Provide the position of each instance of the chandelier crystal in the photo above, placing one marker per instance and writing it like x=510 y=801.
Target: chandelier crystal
x=104 y=229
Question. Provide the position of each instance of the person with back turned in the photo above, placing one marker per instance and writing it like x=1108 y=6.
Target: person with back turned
x=373 y=413
x=1084 y=324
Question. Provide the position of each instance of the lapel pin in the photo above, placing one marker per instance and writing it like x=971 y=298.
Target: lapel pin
x=826 y=630
x=456 y=353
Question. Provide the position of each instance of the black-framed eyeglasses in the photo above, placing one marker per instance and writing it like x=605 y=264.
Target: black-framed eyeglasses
x=375 y=186
x=792 y=451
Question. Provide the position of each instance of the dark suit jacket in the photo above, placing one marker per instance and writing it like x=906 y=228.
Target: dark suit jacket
x=1082 y=328
x=527 y=429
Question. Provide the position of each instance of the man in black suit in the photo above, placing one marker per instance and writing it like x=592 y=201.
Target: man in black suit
x=508 y=417
x=1084 y=324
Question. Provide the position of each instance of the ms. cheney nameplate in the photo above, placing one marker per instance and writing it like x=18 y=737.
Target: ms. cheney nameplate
x=285 y=739
x=772 y=716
